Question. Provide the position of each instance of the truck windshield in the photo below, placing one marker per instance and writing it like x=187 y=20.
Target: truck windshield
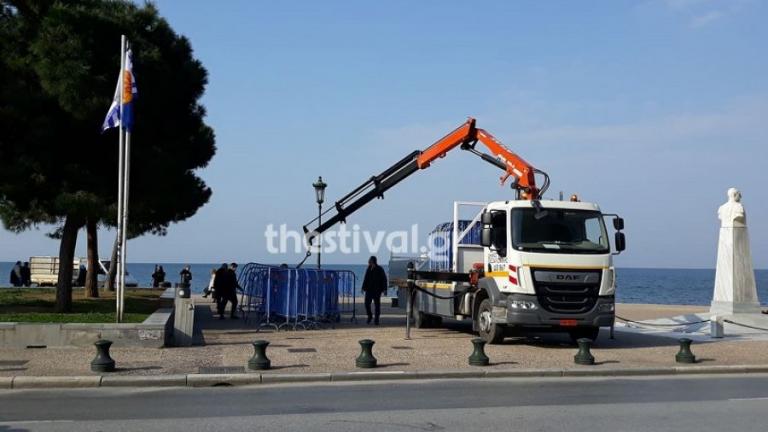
x=559 y=231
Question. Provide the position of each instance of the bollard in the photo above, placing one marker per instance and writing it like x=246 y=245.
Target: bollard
x=478 y=357
x=259 y=361
x=716 y=329
x=685 y=355
x=102 y=362
x=366 y=360
x=584 y=357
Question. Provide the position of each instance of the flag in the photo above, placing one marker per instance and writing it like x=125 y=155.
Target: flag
x=129 y=91
x=113 y=115
x=126 y=83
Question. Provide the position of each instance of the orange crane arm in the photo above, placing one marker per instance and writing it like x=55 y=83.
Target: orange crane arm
x=467 y=136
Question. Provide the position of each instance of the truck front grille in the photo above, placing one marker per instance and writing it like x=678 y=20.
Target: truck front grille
x=567 y=292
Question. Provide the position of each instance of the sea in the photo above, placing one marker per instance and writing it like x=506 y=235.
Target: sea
x=633 y=285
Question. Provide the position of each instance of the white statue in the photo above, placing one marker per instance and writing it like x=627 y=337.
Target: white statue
x=732 y=213
x=735 y=289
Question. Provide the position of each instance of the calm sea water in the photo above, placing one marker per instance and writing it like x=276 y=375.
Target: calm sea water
x=634 y=285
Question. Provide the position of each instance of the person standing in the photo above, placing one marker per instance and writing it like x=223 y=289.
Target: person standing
x=186 y=275
x=158 y=277
x=374 y=284
x=225 y=287
x=16 y=275
x=81 y=275
x=26 y=275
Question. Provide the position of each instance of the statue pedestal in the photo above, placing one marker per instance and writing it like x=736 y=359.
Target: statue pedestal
x=735 y=289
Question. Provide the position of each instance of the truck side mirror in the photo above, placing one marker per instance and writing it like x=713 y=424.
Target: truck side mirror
x=618 y=223
x=486 y=235
x=620 y=241
x=486 y=218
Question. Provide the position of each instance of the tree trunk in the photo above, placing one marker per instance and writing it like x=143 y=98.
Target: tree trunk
x=112 y=270
x=92 y=277
x=66 y=258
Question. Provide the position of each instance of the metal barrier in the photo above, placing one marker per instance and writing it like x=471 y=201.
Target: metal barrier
x=281 y=297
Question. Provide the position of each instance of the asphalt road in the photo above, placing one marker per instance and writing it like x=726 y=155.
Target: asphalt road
x=696 y=403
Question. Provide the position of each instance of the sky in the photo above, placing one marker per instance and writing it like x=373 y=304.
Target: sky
x=652 y=109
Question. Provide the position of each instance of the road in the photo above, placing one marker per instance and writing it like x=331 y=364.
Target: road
x=679 y=404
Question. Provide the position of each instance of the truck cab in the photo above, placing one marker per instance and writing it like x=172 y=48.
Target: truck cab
x=542 y=265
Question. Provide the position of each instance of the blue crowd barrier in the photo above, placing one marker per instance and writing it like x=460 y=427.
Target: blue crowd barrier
x=441 y=241
x=281 y=297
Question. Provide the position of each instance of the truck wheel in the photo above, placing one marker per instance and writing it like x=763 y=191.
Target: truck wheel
x=420 y=319
x=584 y=332
x=492 y=333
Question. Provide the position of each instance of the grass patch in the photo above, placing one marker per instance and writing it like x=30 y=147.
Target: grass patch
x=36 y=305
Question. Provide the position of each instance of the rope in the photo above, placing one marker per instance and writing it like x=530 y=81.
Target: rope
x=661 y=325
x=745 y=325
x=457 y=295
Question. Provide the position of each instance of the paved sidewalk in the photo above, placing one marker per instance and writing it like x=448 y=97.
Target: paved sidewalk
x=227 y=349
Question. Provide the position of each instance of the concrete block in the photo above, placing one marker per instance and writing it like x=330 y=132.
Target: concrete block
x=28 y=382
x=211 y=380
x=183 y=322
x=159 y=317
x=144 y=381
x=274 y=378
x=150 y=335
x=372 y=376
x=6 y=382
x=367 y=376
x=523 y=373
x=450 y=373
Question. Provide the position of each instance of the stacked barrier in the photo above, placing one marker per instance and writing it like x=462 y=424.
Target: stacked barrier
x=441 y=239
x=281 y=297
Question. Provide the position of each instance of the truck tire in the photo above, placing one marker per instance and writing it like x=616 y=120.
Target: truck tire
x=488 y=330
x=425 y=320
x=584 y=332
x=420 y=319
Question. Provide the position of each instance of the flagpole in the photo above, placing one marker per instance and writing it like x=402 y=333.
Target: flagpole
x=126 y=187
x=120 y=185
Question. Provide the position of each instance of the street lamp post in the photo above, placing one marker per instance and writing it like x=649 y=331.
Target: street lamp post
x=319 y=186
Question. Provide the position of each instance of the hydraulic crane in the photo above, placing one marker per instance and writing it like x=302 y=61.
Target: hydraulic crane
x=465 y=137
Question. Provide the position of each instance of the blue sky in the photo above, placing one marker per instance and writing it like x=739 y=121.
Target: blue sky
x=650 y=108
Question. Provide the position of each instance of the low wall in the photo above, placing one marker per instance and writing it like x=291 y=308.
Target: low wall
x=155 y=332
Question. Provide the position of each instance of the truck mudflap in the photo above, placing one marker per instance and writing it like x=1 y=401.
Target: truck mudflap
x=525 y=311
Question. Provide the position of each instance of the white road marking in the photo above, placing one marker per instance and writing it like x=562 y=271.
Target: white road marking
x=17 y=422
x=749 y=399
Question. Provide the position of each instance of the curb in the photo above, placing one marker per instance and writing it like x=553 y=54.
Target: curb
x=213 y=380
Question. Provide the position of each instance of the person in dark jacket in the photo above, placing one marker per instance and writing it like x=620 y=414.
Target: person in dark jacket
x=225 y=287
x=374 y=284
x=158 y=276
x=26 y=275
x=185 y=275
x=16 y=274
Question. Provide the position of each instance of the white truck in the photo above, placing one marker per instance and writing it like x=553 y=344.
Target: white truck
x=537 y=263
x=544 y=267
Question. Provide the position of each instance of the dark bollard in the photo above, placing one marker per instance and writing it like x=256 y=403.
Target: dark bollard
x=685 y=355
x=478 y=357
x=366 y=360
x=259 y=361
x=102 y=362
x=584 y=357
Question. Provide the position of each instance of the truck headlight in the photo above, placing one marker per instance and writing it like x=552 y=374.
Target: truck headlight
x=522 y=305
x=606 y=307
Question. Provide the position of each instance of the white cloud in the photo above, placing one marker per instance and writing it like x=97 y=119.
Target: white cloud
x=707 y=18
x=700 y=13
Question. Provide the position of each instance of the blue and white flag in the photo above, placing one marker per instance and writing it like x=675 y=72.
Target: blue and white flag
x=126 y=83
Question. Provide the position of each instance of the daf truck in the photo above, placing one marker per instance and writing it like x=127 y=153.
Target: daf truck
x=537 y=263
